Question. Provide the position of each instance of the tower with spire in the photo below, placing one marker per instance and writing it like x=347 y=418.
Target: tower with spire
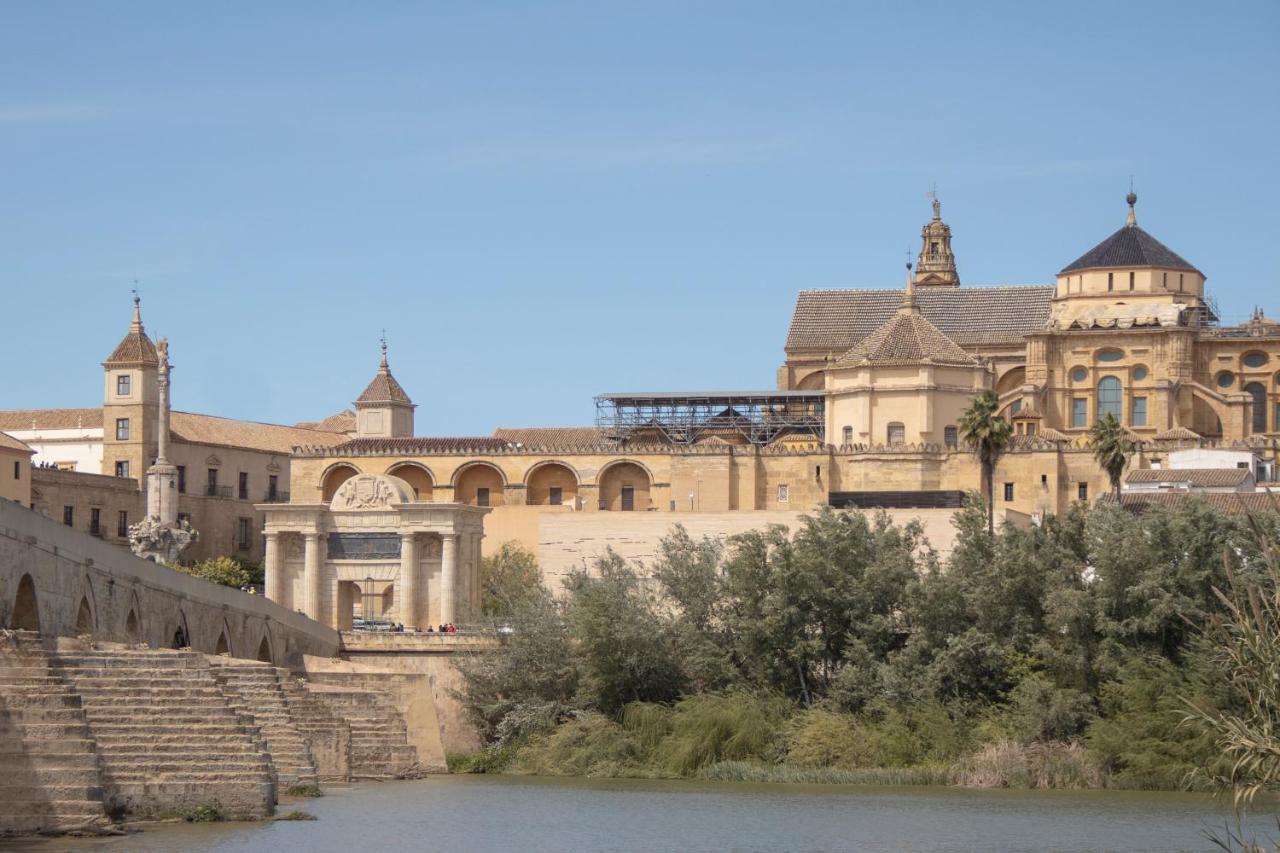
x=131 y=396
x=384 y=410
x=936 y=265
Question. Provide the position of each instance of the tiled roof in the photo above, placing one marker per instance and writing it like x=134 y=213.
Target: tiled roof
x=836 y=320
x=8 y=442
x=344 y=422
x=551 y=437
x=907 y=338
x=271 y=438
x=22 y=419
x=1231 y=503
x=1177 y=434
x=1130 y=247
x=135 y=348
x=384 y=389
x=422 y=446
x=1200 y=477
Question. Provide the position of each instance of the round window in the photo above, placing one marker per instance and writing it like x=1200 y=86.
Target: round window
x=1139 y=373
x=1225 y=379
x=1254 y=359
x=1110 y=355
x=1080 y=375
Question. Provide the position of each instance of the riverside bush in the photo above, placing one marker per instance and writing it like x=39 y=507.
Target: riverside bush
x=1056 y=655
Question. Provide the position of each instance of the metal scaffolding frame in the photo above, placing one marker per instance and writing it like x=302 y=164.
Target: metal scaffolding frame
x=683 y=418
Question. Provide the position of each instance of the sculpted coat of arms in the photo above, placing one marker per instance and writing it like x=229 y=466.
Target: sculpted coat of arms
x=364 y=491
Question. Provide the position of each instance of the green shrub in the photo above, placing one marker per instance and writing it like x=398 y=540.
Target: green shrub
x=722 y=727
x=592 y=745
x=304 y=791
x=745 y=771
x=204 y=813
x=494 y=759
x=296 y=815
x=819 y=738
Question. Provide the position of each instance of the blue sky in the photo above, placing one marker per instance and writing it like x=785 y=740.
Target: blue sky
x=543 y=201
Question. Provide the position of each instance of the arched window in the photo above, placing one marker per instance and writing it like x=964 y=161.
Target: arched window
x=897 y=433
x=1259 y=395
x=951 y=436
x=1109 y=397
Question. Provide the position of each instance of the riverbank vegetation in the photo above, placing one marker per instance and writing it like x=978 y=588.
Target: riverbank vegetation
x=1090 y=651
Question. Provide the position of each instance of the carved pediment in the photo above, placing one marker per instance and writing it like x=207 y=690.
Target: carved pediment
x=212 y=461
x=371 y=491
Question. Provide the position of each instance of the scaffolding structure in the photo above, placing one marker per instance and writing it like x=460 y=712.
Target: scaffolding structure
x=683 y=418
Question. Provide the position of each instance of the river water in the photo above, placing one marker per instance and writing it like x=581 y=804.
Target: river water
x=476 y=814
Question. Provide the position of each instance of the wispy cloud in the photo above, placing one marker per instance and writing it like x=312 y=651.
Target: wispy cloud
x=18 y=114
x=598 y=156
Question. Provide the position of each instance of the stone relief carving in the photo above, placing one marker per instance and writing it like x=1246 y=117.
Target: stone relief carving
x=365 y=491
x=294 y=548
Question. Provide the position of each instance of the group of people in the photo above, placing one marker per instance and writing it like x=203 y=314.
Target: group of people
x=448 y=628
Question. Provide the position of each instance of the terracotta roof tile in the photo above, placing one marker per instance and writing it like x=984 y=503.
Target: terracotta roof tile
x=136 y=348
x=419 y=445
x=836 y=320
x=271 y=438
x=344 y=422
x=1231 y=503
x=1177 y=434
x=8 y=442
x=907 y=338
x=551 y=437
x=1199 y=477
x=383 y=389
x=22 y=419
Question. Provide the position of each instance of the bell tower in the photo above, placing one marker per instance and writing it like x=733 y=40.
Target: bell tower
x=130 y=401
x=936 y=266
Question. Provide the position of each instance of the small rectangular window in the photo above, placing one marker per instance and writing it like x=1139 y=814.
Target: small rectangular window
x=122 y=429
x=784 y=493
x=482 y=496
x=951 y=436
x=1111 y=281
x=555 y=495
x=69 y=516
x=182 y=479
x=244 y=534
x=95 y=521
x=1082 y=491
x=122 y=524
x=244 y=486
x=273 y=488
x=17 y=470
x=1138 y=415
x=1179 y=282
x=1008 y=491
x=1131 y=281
x=122 y=468
x=212 y=488
x=122 y=385
x=1079 y=412
x=848 y=436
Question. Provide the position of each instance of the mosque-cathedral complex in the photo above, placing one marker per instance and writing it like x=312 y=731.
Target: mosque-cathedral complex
x=865 y=413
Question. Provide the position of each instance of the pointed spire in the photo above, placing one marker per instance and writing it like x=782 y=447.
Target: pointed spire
x=909 y=305
x=136 y=325
x=1132 y=198
x=136 y=347
x=384 y=367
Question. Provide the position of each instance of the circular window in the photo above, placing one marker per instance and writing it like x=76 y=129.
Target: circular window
x=1080 y=375
x=1225 y=379
x=1110 y=355
x=1254 y=359
x=1139 y=373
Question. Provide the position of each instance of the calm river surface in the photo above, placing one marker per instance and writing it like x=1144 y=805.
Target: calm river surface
x=475 y=814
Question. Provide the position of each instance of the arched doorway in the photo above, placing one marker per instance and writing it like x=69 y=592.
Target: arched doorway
x=264 y=650
x=132 y=632
x=551 y=484
x=624 y=487
x=418 y=477
x=26 y=609
x=222 y=648
x=181 y=636
x=479 y=484
x=1258 y=393
x=84 y=618
x=334 y=478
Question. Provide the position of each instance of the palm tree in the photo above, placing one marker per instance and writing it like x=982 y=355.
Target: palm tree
x=1112 y=448
x=988 y=434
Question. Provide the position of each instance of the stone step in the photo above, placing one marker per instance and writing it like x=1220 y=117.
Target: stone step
x=35 y=714
x=40 y=730
x=14 y=701
x=197 y=765
x=85 y=758
x=39 y=779
x=20 y=793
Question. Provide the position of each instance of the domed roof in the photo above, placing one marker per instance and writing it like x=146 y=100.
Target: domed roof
x=907 y=338
x=1130 y=247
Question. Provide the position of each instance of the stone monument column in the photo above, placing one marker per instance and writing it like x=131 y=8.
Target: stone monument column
x=448 y=577
x=477 y=594
x=408 y=587
x=312 y=583
x=271 y=564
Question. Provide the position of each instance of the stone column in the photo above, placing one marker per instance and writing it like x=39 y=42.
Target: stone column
x=408 y=587
x=448 y=577
x=312 y=582
x=271 y=565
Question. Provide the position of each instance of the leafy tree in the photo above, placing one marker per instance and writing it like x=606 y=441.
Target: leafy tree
x=509 y=579
x=1112 y=448
x=988 y=434
x=234 y=572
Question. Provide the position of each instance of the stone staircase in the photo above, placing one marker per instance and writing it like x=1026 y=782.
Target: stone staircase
x=254 y=690
x=380 y=746
x=167 y=738
x=50 y=781
x=328 y=735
